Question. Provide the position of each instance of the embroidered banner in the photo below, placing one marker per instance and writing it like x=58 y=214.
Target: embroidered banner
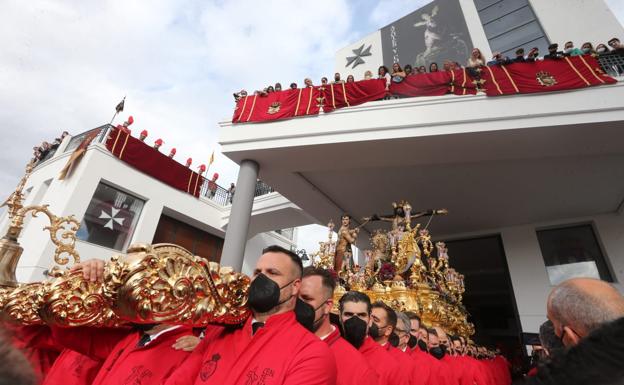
x=351 y=94
x=543 y=76
x=519 y=78
x=152 y=162
x=278 y=105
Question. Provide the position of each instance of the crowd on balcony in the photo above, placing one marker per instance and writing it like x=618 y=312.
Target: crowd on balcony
x=41 y=151
x=476 y=60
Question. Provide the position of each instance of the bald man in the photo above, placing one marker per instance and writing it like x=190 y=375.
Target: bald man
x=271 y=347
x=580 y=305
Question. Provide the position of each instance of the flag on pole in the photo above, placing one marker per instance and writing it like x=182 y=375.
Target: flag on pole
x=120 y=106
x=211 y=159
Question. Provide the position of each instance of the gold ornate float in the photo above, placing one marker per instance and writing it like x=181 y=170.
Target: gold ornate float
x=405 y=270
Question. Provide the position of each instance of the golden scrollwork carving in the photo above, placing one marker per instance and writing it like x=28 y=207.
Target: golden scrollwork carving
x=152 y=284
x=23 y=303
x=166 y=283
x=62 y=232
x=70 y=300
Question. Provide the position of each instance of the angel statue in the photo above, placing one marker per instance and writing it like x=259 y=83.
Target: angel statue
x=346 y=238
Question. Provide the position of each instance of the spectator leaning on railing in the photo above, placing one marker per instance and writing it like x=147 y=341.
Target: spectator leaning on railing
x=398 y=74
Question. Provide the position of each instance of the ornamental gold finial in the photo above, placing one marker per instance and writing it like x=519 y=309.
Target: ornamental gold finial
x=62 y=232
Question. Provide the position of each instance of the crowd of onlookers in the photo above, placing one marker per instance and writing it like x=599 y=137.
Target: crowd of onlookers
x=476 y=59
x=41 y=151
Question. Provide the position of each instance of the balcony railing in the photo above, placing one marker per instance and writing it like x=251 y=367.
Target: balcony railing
x=75 y=141
x=612 y=63
x=222 y=196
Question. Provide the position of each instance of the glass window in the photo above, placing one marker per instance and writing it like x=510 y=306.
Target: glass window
x=111 y=218
x=572 y=251
x=500 y=9
x=509 y=22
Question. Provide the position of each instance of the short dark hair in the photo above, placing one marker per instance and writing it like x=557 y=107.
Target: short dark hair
x=390 y=314
x=354 y=296
x=548 y=338
x=293 y=257
x=345 y=215
x=520 y=51
x=613 y=39
x=454 y=338
x=432 y=331
x=327 y=279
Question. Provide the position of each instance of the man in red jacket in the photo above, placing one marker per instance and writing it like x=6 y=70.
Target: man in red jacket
x=355 y=316
x=271 y=347
x=317 y=290
x=142 y=355
x=385 y=320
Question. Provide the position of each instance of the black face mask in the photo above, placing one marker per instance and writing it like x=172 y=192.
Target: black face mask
x=373 y=331
x=304 y=313
x=264 y=294
x=438 y=352
x=412 y=342
x=393 y=340
x=355 y=331
x=422 y=345
x=316 y=324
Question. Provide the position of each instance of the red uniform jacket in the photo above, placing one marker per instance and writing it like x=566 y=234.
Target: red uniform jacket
x=124 y=362
x=281 y=353
x=424 y=364
x=38 y=346
x=504 y=368
x=389 y=370
x=407 y=364
x=351 y=365
x=72 y=368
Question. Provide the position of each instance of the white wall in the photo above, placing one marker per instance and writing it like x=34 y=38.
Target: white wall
x=577 y=20
x=372 y=62
x=256 y=244
x=475 y=28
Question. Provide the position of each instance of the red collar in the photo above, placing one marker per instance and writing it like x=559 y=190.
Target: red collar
x=333 y=337
x=274 y=321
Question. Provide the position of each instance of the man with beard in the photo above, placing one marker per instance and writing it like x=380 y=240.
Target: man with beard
x=355 y=317
x=141 y=355
x=271 y=347
x=317 y=290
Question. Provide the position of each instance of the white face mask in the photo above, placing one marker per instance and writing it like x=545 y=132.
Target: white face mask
x=586 y=50
x=568 y=50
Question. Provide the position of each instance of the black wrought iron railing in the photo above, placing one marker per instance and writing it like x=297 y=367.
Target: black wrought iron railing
x=223 y=197
x=75 y=141
x=612 y=63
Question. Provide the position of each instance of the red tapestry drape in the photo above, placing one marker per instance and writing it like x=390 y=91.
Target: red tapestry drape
x=351 y=94
x=278 y=105
x=518 y=78
x=152 y=162
x=543 y=76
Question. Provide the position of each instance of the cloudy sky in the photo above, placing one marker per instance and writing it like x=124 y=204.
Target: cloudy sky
x=64 y=65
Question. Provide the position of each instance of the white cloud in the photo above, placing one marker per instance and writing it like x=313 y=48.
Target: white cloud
x=388 y=11
x=67 y=64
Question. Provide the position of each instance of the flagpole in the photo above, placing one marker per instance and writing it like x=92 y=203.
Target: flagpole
x=119 y=108
x=114 y=116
